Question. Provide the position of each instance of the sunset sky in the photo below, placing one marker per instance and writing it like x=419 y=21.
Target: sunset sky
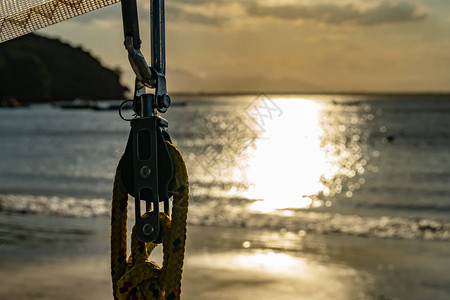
x=284 y=45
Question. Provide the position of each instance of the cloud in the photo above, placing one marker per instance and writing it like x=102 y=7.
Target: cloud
x=333 y=14
x=185 y=81
x=111 y=13
x=190 y=11
x=387 y=12
x=175 y=13
x=198 y=2
x=215 y=14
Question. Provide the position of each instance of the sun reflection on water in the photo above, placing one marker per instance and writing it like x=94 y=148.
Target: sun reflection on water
x=265 y=262
x=287 y=164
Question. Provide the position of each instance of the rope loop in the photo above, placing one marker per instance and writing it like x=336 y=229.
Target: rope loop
x=138 y=278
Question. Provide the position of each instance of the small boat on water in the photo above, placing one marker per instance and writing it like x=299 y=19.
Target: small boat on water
x=102 y=105
x=92 y=104
x=10 y=102
x=76 y=104
x=113 y=105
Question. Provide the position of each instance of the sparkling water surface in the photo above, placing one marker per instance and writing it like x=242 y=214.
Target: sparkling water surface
x=359 y=165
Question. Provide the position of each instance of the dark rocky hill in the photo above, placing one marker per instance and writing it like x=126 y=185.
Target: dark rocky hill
x=34 y=68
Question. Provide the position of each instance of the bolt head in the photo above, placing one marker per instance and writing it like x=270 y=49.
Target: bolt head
x=164 y=101
x=145 y=172
x=147 y=229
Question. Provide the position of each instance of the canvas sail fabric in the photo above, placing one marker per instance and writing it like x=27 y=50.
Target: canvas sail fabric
x=19 y=17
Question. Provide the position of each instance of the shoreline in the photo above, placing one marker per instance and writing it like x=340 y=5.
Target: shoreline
x=231 y=263
x=395 y=94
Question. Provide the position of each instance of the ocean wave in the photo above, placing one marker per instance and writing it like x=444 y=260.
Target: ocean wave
x=237 y=213
x=54 y=205
x=408 y=207
x=326 y=223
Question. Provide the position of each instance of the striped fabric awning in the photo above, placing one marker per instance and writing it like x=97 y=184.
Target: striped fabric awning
x=19 y=17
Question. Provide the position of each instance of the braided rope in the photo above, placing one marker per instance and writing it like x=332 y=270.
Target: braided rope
x=138 y=278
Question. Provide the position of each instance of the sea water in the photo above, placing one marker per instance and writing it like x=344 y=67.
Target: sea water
x=376 y=166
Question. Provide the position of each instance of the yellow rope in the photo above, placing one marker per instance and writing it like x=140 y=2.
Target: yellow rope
x=138 y=278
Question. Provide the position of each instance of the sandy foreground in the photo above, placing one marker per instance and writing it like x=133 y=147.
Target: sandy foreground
x=224 y=263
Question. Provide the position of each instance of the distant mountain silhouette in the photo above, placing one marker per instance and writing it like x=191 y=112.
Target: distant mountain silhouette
x=34 y=68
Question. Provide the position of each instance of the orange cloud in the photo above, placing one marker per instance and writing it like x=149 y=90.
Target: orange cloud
x=334 y=14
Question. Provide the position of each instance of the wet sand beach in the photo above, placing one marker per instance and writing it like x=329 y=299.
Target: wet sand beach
x=230 y=263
